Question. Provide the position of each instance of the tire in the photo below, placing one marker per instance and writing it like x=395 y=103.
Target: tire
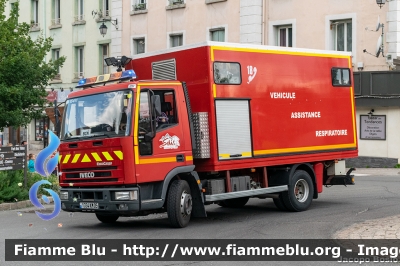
x=234 y=203
x=179 y=204
x=107 y=218
x=279 y=203
x=300 y=192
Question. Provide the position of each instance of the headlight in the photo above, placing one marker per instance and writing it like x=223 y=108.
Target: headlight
x=126 y=195
x=64 y=195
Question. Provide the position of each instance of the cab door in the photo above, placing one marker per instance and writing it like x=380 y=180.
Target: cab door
x=168 y=148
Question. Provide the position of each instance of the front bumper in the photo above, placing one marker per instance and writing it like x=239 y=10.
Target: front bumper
x=104 y=197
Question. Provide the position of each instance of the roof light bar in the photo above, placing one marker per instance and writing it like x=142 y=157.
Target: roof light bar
x=117 y=76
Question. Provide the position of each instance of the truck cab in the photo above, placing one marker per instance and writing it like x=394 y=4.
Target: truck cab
x=120 y=143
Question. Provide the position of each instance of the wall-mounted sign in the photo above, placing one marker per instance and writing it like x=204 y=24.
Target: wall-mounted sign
x=51 y=96
x=373 y=127
x=62 y=95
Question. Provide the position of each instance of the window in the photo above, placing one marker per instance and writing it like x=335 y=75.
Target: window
x=145 y=124
x=176 y=40
x=100 y=115
x=35 y=13
x=12 y=6
x=138 y=46
x=80 y=11
x=285 y=36
x=227 y=73
x=168 y=116
x=104 y=54
x=55 y=56
x=342 y=35
x=139 y=5
x=217 y=35
x=106 y=8
x=80 y=62
x=56 y=13
x=164 y=120
x=341 y=77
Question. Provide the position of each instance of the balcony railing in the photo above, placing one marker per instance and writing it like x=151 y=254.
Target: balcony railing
x=105 y=13
x=175 y=2
x=137 y=7
x=34 y=24
x=56 y=21
x=79 y=75
x=80 y=18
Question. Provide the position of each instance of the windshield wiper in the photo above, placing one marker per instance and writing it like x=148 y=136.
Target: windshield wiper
x=72 y=138
x=100 y=135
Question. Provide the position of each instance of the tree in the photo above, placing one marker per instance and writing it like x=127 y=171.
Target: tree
x=24 y=73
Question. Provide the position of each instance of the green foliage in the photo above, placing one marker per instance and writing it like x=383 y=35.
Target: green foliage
x=9 y=189
x=24 y=74
x=12 y=185
x=397 y=166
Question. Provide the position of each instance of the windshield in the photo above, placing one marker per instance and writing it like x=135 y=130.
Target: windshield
x=106 y=114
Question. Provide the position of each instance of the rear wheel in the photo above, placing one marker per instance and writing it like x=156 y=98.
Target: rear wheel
x=234 y=203
x=179 y=204
x=300 y=192
x=107 y=218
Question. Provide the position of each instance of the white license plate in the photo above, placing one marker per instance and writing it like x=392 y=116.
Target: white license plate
x=89 y=205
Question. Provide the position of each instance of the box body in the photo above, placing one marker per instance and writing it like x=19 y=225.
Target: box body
x=284 y=109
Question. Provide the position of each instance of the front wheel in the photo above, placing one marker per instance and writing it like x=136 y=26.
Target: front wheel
x=107 y=218
x=179 y=204
x=300 y=192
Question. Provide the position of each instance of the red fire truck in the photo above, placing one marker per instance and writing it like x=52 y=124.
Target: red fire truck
x=208 y=123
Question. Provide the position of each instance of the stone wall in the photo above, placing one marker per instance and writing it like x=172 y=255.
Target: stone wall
x=371 y=162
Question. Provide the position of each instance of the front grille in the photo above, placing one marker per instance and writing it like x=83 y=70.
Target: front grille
x=88 y=180
x=96 y=174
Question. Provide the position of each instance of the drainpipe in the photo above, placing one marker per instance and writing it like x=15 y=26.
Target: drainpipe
x=44 y=19
x=263 y=22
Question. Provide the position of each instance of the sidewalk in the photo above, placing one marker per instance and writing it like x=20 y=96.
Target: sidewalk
x=376 y=171
x=384 y=228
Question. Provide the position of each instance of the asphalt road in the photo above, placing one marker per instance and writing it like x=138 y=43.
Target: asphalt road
x=337 y=208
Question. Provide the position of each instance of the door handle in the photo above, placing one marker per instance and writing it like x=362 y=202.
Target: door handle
x=180 y=158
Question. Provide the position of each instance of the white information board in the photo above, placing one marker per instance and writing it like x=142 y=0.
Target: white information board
x=373 y=127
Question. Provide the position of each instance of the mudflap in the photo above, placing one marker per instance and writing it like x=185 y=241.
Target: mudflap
x=345 y=180
x=197 y=195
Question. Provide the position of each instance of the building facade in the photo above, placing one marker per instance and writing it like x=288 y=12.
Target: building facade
x=370 y=32
x=74 y=26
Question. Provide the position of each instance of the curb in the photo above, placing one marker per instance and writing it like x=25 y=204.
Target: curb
x=20 y=204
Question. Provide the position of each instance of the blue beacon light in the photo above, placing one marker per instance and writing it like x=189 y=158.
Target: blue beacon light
x=128 y=74
x=82 y=81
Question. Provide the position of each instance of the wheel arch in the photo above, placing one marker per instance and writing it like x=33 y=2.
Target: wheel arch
x=186 y=173
x=310 y=170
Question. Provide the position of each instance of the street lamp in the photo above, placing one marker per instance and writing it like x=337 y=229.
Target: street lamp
x=380 y=3
x=103 y=27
